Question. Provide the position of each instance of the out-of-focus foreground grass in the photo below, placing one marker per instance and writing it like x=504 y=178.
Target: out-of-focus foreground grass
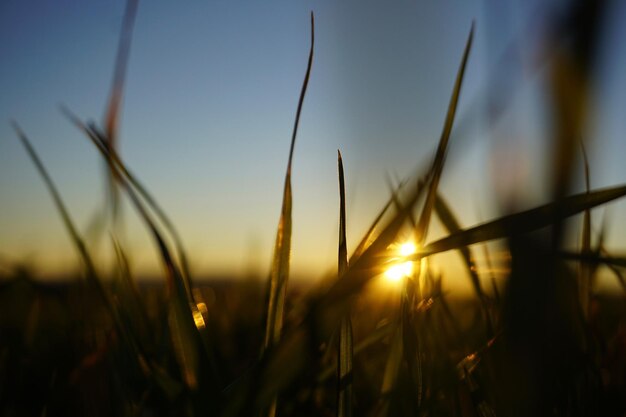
x=60 y=355
x=543 y=344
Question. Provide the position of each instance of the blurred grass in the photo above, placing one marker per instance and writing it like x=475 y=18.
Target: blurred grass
x=548 y=345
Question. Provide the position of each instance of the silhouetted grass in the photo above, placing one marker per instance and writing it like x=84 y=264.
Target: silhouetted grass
x=548 y=345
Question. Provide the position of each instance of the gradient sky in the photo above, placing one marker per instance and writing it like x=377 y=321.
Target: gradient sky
x=210 y=98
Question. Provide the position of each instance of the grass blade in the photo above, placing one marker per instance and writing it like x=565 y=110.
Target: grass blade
x=616 y=261
x=390 y=375
x=345 y=351
x=279 y=274
x=90 y=270
x=280 y=265
x=438 y=163
x=325 y=309
x=280 y=271
x=374 y=337
x=343 y=249
x=112 y=116
x=65 y=216
x=586 y=270
x=451 y=223
x=369 y=264
x=410 y=344
x=523 y=222
x=184 y=334
x=185 y=337
x=121 y=63
x=344 y=369
x=111 y=154
x=362 y=246
x=489 y=264
x=130 y=303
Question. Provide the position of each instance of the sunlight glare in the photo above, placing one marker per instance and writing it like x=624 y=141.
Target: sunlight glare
x=407 y=249
x=397 y=271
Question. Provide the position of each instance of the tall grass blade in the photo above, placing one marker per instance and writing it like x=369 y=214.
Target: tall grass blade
x=77 y=240
x=184 y=334
x=394 y=192
x=343 y=248
x=371 y=339
x=489 y=264
x=450 y=222
x=130 y=299
x=111 y=154
x=121 y=63
x=367 y=237
x=371 y=262
x=438 y=163
x=452 y=225
x=411 y=352
x=586 y=270
x=616 y=261
x=344 y=369
x=412 y=344
x=523 y=222
x=364 y=268
x=345 y=351
x=390 y=375
x=112 y=116
x=90 y=270
x=182 y=306
x=185 y=337
x=325 y=309
x=279 y=273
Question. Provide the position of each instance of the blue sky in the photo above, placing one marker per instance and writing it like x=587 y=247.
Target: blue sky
x=210 y=98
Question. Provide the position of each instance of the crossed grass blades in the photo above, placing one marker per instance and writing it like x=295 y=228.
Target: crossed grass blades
x=418 y=360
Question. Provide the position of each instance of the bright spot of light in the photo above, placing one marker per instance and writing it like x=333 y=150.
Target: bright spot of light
x=198 y=318
x=203 y=308
x=397 y=271
x=407 y=249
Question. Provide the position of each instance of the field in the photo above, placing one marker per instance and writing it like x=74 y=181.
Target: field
x=61 y=354
x=547 y=342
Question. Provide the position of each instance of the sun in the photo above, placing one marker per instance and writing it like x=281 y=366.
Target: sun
x=396 y=272
x=407 y=249
x=399 y=270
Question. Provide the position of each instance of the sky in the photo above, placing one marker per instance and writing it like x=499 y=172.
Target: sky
x=210 y=98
